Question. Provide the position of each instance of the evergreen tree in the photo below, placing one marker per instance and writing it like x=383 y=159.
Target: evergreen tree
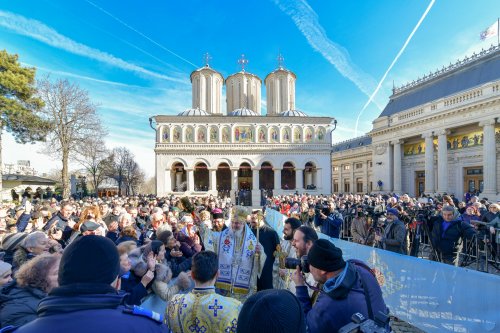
x=19 y=105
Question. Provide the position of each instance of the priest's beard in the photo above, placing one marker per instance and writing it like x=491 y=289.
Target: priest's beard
x=237 y=234
x=288 y=238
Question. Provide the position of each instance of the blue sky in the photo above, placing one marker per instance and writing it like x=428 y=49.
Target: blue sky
x=135 y=57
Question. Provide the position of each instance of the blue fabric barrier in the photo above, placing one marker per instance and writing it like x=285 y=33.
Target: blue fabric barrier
x=432 y=296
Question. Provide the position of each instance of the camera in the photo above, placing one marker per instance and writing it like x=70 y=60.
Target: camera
x=303 y=263
x=362 y=325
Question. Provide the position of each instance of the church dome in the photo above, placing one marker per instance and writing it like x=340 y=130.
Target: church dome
x=243 y=112
x=193 y=112
x=292 y=113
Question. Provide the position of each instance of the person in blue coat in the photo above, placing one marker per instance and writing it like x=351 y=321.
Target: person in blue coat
x=329 y=220
x=87 y=299
x=342 y=293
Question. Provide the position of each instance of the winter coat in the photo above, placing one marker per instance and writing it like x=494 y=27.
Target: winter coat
x=22 y=222
x=83 y=310
x=395 y=237
x=445 y=243
x=332 y=225
x=339 y=299
x=18 y=305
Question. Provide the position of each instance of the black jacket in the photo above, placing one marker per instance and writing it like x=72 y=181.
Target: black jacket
x=18 y=305
x=85 y=308
x=446 y=243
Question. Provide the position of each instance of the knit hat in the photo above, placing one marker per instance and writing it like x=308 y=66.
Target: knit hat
x=4 y=268
x=89 y=259
x=89 y=226
x=325 y=256
x=12 y=241
x=393 y=211
x=155 y=246
x=293 y=222
x=272 y=310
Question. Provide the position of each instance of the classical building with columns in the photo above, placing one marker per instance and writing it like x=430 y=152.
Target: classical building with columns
x=202 y=151
x=438 y=134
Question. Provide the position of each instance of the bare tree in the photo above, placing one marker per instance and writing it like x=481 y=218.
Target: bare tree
x=120 y=160
x=74 y=119
x=134 y=177
x=94 y=157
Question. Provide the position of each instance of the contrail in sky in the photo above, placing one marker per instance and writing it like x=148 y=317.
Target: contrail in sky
x=392 y=64
x=43 y=33
x=306 y=20
x=140 y=33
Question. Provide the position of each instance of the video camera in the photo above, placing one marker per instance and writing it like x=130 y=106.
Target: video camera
x=303 y=263
x=360 y=324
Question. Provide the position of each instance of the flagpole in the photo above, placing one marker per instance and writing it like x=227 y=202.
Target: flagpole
x=498 y=31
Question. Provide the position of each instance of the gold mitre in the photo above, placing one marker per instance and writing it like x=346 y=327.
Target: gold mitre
x=240 y=213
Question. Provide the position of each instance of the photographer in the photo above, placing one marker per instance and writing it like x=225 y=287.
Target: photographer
x=362 y=228
x=348 y=288
x=329 y=220
x=394 y=237
x=448 y=229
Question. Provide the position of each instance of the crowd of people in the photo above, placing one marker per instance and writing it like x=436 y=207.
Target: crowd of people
x=205 y=265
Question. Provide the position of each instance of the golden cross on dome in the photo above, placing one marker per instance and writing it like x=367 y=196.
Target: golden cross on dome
x=243 y=62
x=280 y=60
x=207 y=59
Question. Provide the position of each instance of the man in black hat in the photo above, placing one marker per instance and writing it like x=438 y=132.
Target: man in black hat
x=347 y=288
x=87 y=299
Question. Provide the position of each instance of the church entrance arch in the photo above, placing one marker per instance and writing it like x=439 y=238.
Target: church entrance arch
x=201 y=177
x=288 y=176
x=310 y=176
x=244 y=197
x=223 y=175
x=266 y=176
x=179 y=174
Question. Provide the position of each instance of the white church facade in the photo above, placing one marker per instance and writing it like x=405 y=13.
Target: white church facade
x=202 y=151
x=438 y=134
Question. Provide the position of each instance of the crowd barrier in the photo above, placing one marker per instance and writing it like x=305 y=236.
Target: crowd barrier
x=432 y=296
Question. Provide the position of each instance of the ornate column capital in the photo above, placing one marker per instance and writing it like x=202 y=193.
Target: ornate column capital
x=256 y=169
x=487 y=122
x=429 y=134
x=397 y=141
x=277 y=169
x=442 y=132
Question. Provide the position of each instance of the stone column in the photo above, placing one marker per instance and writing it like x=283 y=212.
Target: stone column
x=255 y=187
x=319 y=179
x=190 y=179
x=212 y=179
x=178 y=179
x=398 y=188
x=429 y=163
x=168 y=182
x=299 y=179
x=277 y=179
x=442 y=161
x=234 y=183
x=309 y=178
x=489 y=159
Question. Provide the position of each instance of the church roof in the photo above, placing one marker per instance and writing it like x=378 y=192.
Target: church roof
x=352 y=143
x=28 y=179
x=244 y=73
x=292 y=113
x=204 y=68
x=243 y=112
x=463 y=75
x=281 y=69
x=193 y=112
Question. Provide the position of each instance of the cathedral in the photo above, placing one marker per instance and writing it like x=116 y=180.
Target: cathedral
x=438 y=134
x=242 y=153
